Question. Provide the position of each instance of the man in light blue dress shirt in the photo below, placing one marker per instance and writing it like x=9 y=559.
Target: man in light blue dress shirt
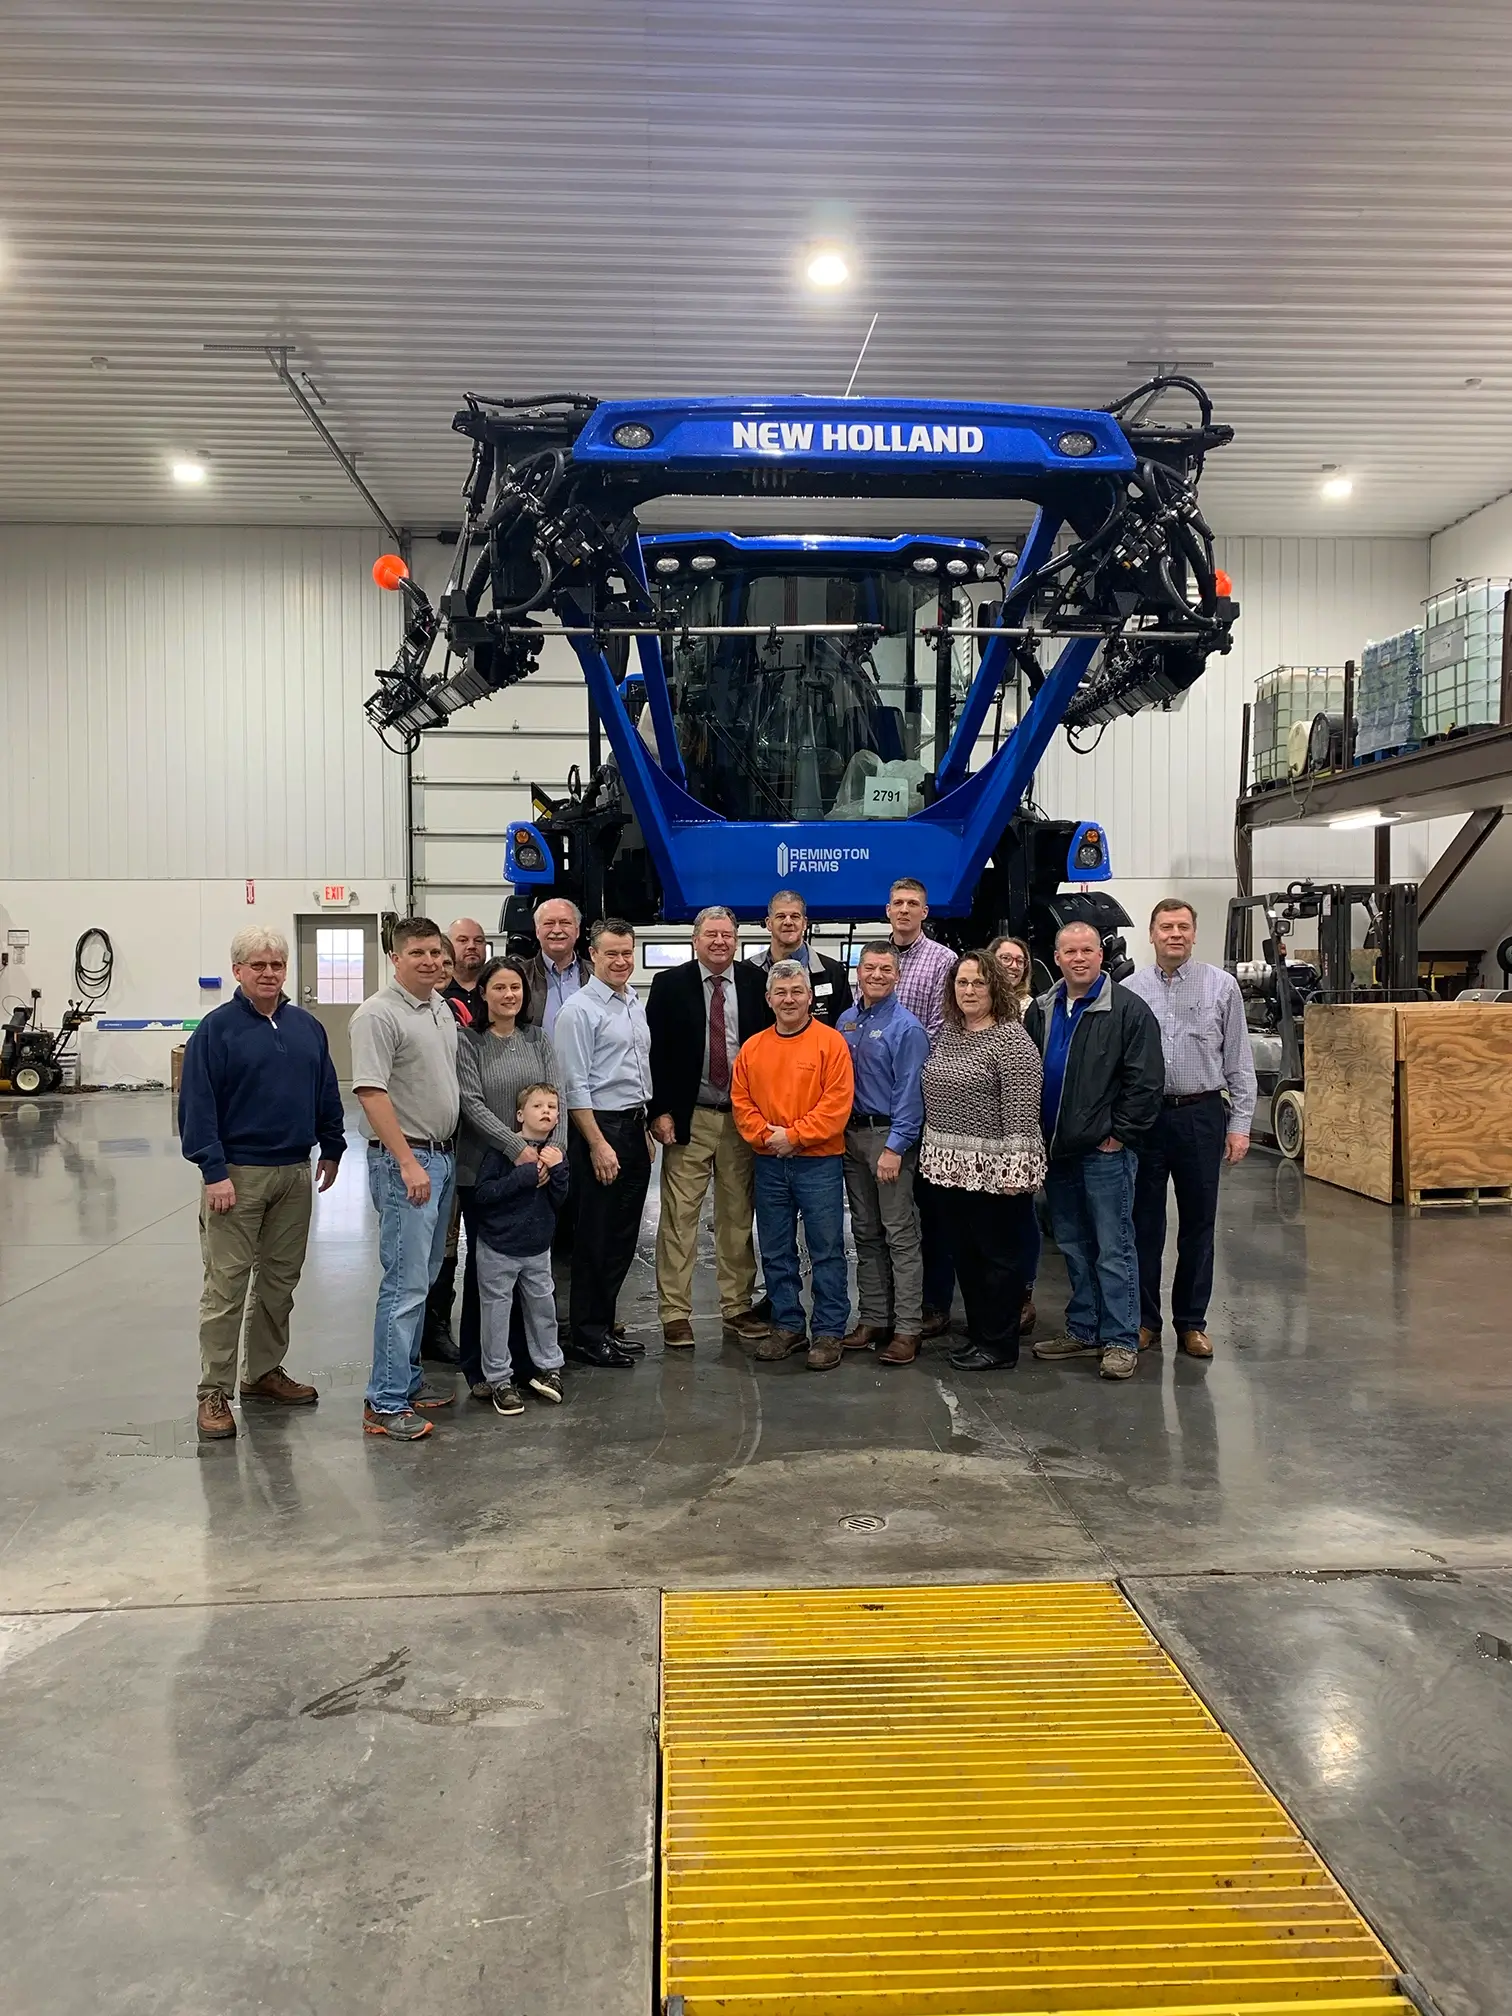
x=604 y=1048
x=889 y=1048
x=1206 y=1046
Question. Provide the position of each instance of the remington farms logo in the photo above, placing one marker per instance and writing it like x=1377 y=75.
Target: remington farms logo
x=860 y=437
x=816 y=860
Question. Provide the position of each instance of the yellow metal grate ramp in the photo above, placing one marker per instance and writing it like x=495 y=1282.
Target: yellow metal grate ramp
x=975 y=1802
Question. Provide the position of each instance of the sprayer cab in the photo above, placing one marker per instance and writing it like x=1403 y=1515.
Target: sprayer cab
x=819 y=703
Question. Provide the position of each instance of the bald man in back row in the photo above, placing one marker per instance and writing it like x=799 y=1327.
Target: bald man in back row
x=469 y=943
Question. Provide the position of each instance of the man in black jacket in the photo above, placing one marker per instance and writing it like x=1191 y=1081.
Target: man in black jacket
x=699 y=1015
x=787 y=931
x=1104 y=1083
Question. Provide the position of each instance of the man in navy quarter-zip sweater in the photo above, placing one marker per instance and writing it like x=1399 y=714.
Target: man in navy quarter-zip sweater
x=259 y=1090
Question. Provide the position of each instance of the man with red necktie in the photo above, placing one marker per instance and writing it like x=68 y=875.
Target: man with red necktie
x=699 y=1015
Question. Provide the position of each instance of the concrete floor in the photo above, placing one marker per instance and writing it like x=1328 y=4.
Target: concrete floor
x=296 y=1721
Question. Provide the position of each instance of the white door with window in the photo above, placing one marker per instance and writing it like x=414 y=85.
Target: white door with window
x=338 y=967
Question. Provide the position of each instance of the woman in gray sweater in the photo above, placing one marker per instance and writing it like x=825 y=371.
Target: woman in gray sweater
x=983 y=1149
x=495 y=1063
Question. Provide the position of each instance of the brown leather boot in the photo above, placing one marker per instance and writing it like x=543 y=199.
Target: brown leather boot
x=678 y=1333
x=215 y=1421
x=1149 y=1340
x=748 y=1326
x=1028 y=1316
x=1196 y=1343
x=902 y=1351
x=936 y=1322
x=278 y=1387
x=780 y=1344
x=864 y=1336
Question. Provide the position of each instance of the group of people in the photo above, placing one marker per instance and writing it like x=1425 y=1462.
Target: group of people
x=523 y=1103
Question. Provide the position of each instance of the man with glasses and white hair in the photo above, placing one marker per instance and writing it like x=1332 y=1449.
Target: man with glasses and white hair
x=557 y=971
x=259 y=1091
x=699 y=1015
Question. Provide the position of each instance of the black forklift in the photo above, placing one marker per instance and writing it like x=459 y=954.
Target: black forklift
x=1278 y=989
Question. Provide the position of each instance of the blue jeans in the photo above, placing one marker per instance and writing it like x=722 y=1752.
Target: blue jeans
x=1091 y=1199
x=813 y=1185
x=1033 y=1247
x=411 y=1245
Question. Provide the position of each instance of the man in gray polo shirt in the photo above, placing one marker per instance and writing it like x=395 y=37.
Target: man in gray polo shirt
x=404 y=1072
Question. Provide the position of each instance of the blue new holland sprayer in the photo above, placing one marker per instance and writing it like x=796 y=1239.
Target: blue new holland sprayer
x=794 y=715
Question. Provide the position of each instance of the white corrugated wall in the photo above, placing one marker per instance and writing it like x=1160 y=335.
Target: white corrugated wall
x=188 y=703
x=185 y=753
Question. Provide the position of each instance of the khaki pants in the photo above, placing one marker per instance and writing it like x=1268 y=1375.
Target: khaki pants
x=714 y=1149
x=253 y=1254
x=885 y=1226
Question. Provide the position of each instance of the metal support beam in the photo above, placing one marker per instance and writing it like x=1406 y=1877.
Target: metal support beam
x=1382 y=856
x=1244 y=842
x=1456 y=858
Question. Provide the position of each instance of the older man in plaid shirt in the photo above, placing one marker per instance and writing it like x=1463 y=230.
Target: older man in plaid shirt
x=924 y=966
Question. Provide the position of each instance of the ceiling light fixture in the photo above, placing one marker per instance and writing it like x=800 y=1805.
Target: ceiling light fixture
x=1358 y=821
x=1335 y=489
x=827 y=266
x=189 y=473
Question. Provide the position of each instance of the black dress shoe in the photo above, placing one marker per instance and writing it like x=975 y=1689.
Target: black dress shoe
x=621 y=1342
x=974 y=1359
x=600 y=1354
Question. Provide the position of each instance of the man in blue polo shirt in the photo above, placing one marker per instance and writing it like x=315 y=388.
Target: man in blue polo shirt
x=889 y=1048
x=258 y=1091
x=1104 y=1082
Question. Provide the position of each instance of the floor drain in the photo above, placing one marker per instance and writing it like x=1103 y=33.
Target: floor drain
x=862 y=1522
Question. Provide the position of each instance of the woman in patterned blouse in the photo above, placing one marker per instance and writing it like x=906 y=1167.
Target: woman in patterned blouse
x=982 y=1143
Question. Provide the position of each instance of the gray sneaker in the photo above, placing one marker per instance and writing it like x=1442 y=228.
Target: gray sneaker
x=1064 y=1345
x=405 y=1426
x=1119 y=1361
x=507 y=1399
x=433 y=1396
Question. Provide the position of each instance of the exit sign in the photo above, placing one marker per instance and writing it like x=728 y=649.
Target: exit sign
x=336 y=896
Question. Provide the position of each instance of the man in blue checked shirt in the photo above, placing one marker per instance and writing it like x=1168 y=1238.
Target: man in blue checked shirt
x=1208 y=1060
x=889 y=1047
x=924 y=966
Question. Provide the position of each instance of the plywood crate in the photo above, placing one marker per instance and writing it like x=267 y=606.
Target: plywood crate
x=176 y=1068
x=1411 y=1100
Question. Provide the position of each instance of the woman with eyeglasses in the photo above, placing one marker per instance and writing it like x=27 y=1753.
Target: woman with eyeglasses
x=982 y=1144
x=1016 y=961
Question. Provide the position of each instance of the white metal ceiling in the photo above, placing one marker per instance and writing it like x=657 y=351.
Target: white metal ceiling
x=609 y=195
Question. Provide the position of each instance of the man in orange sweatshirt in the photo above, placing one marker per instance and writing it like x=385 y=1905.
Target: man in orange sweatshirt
x=791 y=1094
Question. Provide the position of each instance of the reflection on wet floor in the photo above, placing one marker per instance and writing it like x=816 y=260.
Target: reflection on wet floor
x=1326 y=1501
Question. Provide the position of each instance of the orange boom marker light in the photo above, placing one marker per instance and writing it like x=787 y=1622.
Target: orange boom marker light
x=389 y=571
x=1222 y=581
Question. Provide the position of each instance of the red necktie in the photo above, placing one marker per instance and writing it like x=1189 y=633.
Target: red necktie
x=719 y=1056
